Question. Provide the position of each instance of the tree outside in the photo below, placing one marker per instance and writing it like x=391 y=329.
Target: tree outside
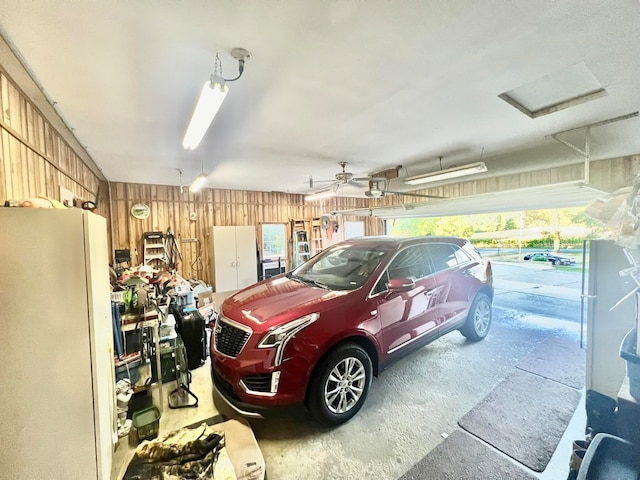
x=544 y=228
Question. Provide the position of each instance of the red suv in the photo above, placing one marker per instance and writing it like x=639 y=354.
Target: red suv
x=319 y=333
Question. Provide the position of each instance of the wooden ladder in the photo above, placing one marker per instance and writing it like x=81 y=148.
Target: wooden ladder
x=301 y=250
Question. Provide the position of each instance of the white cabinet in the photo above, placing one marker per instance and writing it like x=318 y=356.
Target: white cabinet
x=57 y=409
x=233 y=257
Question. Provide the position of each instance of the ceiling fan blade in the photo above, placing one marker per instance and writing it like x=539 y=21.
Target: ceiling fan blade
x=368 y=179
x=356 y=184
x=323 y=181
x=331 y=185
x=411 y=194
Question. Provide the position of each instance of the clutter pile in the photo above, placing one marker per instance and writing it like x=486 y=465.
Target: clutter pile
x=185 y=453
x=160 y=324
x=221 y=451
x=42 y=201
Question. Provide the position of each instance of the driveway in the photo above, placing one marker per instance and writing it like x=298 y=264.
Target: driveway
x=538 y=294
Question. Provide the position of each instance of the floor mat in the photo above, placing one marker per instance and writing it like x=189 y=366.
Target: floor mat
x=462 y=456
x=557 y=359
x=524 y=417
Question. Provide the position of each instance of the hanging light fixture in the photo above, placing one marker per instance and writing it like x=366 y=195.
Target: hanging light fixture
x=454 y=172
x=197 y=184
x=209 y=103
x=212 y=95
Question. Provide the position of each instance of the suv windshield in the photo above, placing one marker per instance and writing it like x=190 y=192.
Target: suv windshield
x=346 y=267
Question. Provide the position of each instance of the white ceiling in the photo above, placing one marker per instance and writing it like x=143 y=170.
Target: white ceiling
x=376 y=84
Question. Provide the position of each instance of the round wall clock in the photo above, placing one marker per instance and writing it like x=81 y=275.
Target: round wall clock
x=140 y=211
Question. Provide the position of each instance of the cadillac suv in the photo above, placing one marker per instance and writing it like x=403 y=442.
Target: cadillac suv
x=319 y=333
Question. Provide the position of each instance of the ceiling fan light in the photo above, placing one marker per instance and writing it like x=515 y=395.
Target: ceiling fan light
x=211 y=97
x=447 y=174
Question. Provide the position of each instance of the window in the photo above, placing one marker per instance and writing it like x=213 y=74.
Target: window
x=274 y=241
x=446 y=255
x=409 y=263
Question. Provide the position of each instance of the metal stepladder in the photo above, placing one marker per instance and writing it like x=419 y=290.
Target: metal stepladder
x=301 y=249
x=154 y=248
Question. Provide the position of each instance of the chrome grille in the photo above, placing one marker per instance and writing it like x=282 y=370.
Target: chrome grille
x=229 y=339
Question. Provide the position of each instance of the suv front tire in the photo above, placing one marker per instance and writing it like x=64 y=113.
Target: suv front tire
x=340 y=384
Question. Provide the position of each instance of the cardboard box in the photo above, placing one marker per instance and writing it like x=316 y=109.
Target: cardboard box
x=204 y=299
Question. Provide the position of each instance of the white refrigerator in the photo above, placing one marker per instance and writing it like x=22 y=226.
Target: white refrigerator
x=57 y=404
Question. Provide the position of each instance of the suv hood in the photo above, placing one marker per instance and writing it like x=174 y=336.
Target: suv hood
x=278 y=297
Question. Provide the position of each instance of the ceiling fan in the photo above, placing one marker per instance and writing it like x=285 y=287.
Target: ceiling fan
x=376 y=192
x=344 y=178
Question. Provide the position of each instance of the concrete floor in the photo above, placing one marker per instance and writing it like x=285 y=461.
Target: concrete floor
x=410 y=408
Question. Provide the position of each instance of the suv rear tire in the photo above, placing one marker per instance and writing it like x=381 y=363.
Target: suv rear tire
x=340 y=384
x=479 y=319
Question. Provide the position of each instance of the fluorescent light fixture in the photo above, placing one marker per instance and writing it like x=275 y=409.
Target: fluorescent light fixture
x=198 y=182
x=447 y=174
x=209 y=103
x=320 y=195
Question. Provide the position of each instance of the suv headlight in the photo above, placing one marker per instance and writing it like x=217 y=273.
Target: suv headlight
x=278 y=337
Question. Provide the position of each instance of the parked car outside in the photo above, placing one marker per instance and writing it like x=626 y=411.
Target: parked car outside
x=549 y=257
x=318 y=334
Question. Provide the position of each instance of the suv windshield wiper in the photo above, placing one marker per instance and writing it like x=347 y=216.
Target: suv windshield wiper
x=321 y=285
x=315 y=283
x=291 y=276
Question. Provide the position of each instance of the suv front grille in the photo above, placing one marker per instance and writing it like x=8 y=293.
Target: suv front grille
x=229 y=339
x=223 y=385
x=260 y=382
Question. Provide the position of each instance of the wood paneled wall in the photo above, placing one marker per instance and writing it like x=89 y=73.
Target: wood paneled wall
x=34 y=157
x=172 y=208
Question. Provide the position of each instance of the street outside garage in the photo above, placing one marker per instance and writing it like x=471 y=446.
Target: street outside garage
x=416 y=403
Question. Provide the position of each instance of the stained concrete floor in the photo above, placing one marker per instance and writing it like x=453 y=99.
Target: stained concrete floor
x=411 y=407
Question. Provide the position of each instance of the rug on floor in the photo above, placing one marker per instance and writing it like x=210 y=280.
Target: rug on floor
x=524 y=417
x=557 y=359
x=462 y=456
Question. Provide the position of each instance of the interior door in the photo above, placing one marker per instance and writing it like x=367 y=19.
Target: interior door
x=412 y=315
x=224 y=258
x=246 y=256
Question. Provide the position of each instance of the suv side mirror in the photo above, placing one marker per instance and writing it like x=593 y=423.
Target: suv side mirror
x=401 y=285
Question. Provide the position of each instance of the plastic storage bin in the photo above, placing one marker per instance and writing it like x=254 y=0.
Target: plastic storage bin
x=132 y=373
x=147 y=423
x=609 y=457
